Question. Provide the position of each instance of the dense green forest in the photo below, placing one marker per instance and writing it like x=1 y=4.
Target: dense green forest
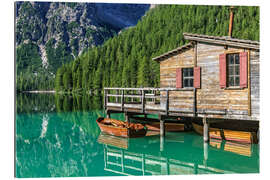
x=30 y=73
x=126 y=60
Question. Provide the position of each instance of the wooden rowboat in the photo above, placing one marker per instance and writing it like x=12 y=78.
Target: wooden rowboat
x=169 y=127
x=230 y=135
x=120 y=128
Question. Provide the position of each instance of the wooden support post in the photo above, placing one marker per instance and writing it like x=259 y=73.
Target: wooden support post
x=167 y=102
x=122 y=100
x=108 y=114
x=127 y=119
x=162 y=126
x=143 y=101
x=205 y=130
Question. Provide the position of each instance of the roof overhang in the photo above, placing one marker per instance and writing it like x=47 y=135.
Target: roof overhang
x=173 y=52
x=218 y=40
x=225 y=40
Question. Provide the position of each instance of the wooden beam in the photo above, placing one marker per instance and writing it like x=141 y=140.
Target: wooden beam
x=162 y=125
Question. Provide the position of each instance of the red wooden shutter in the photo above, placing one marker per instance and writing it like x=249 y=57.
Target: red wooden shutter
x=222 y=70
x=179 y=78
x=243 y=69
x=197 y=77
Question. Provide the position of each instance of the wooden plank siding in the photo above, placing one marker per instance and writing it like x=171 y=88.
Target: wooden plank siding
x=168 y=67
x=255 y=83
x=210 y=97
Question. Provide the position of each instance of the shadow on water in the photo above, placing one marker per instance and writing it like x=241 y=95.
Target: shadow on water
x=57 y=136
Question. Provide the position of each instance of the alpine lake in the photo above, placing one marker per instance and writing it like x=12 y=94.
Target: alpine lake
x=57 y=136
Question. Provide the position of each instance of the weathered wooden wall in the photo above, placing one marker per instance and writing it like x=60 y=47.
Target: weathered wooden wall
x=255 y=83
x=228 y=103
x=179 y=101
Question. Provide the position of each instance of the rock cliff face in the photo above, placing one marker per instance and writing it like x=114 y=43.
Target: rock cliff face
x=62 y=31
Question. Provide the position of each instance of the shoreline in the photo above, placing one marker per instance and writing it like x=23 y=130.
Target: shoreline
x=40 y=91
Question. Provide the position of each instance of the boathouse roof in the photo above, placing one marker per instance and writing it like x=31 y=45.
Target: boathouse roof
x=219 y=40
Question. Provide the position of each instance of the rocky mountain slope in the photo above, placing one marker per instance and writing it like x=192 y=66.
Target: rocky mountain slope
x=61 y=31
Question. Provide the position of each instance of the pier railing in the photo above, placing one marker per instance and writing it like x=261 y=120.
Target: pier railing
x=144 y=99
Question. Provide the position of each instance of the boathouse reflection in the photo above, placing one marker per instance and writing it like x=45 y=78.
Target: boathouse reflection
x=121 y=156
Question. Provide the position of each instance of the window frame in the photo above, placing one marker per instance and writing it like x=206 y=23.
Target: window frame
x=189 y=77
x=232 y=73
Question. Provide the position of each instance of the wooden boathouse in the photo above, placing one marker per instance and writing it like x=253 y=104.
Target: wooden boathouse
x=211 y=78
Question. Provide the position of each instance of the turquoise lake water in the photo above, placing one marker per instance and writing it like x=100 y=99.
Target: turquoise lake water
x=57 y=136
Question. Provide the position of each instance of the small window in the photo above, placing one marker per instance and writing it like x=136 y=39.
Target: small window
x=233 y=70
x=187 y=77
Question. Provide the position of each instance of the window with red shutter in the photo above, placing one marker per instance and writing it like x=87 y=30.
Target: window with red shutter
x=178 y=78
x=197 y=77
x=233 y=70
x=222 y=71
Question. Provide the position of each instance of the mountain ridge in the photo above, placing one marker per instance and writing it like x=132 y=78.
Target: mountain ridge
x=60 y=31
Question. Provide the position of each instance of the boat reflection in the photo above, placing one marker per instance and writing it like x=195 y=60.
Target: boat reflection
x=238 y=148
x=180 y=156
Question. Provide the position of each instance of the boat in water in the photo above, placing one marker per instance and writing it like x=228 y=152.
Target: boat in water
x=229 y=135
x=120 y=128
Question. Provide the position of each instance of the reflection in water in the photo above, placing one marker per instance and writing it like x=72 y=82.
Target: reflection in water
x=45 y=120
x=238 y=148
x=66 y=142
x=122 y=156
x=33 y=103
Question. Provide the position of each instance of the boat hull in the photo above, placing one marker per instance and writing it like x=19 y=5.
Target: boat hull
x=119 y=128
x=229 y=135
x=169 y=127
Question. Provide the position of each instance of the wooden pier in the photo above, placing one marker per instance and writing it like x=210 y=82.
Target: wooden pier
x=143 y=101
